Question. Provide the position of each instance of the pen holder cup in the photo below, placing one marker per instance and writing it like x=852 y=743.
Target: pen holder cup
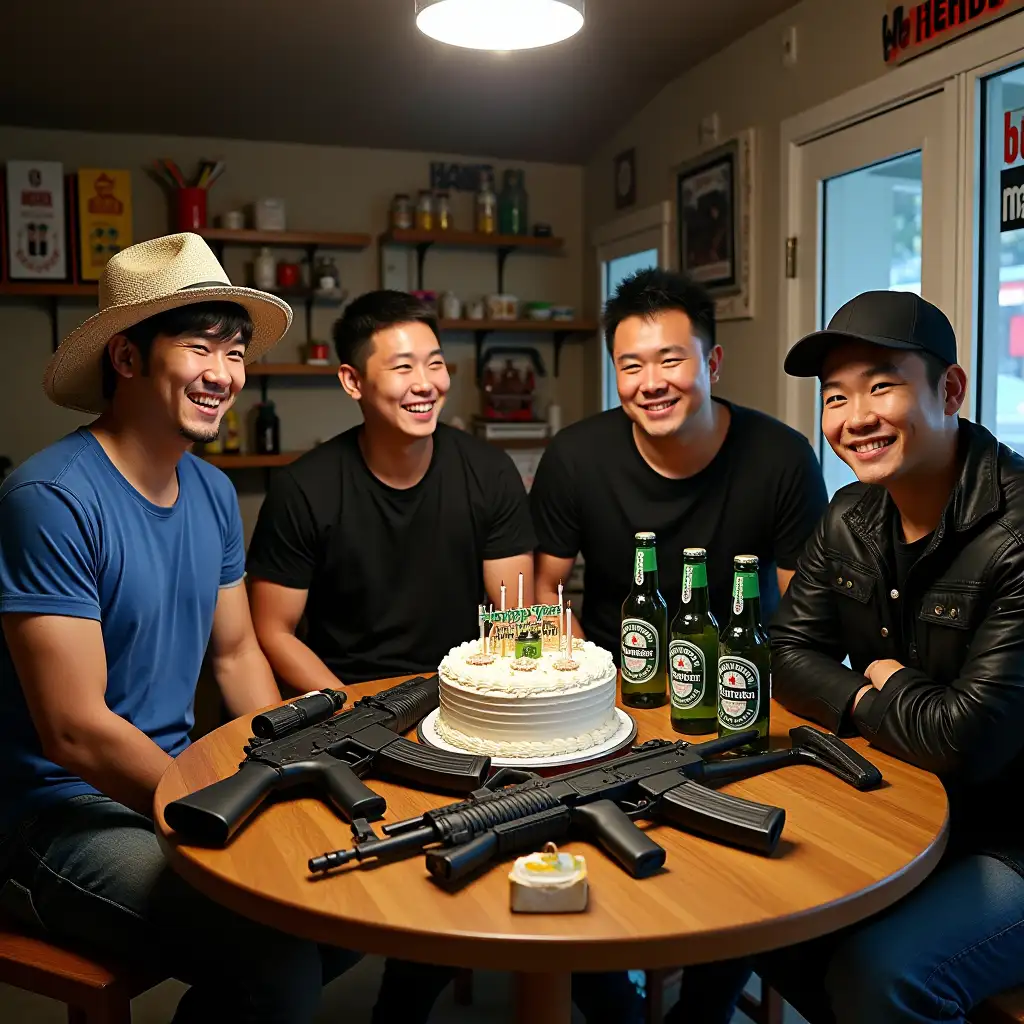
x=190 y=209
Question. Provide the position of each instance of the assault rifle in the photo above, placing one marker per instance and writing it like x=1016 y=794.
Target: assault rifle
x=660 y=780
x=306 y=742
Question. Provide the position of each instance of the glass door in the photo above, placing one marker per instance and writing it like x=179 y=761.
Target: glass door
x=871 y=217
x=1001 y=264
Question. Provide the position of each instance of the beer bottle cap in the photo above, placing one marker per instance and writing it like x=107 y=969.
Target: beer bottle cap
x=644 y=538
x=745 y=563
x=695 y=553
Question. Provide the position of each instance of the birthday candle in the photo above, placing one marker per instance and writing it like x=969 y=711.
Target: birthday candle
x=568 y=629
x=480 y=612
x=561 y=612
x=520 y=590
x=502 y=595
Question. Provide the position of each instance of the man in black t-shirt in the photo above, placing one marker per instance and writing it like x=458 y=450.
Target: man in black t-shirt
x=388 y=536
x=698 y=471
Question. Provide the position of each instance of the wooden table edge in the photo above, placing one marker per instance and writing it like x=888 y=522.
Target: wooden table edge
x=533 y=953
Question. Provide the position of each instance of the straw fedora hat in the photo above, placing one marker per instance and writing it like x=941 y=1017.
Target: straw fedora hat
x=139 y=282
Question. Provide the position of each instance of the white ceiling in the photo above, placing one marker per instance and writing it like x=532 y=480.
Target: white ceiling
x=347 y=72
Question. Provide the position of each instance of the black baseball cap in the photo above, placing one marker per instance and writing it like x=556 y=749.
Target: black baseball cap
x=890 y=319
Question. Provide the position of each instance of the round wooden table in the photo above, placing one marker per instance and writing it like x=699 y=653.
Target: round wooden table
x=844 y=855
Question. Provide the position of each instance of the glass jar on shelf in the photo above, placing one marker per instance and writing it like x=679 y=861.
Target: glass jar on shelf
x=425 y=210
x=443 y=211
x=401 y=211
x=512 y=205
x=486 y=206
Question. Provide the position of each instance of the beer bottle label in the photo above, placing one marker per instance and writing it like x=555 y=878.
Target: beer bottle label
x=686 y=673
x=694 y=577
x=744 y=587
x=739 y=692
x=645 y=560
x=640 y=652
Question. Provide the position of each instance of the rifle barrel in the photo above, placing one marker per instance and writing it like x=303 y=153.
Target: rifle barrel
x=378 y=848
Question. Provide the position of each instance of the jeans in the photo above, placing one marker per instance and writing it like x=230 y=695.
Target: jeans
x=957 y=939
x=89 y=872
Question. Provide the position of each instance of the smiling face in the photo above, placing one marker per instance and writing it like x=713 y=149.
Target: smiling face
x=882 y=414
x=662 y=372
x=185 y=384
x=403 y=385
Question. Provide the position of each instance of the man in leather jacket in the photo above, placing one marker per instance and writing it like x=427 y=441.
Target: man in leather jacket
x=916 y=575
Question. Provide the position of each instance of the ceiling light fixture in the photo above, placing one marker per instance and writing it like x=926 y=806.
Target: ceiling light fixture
x=499 y=24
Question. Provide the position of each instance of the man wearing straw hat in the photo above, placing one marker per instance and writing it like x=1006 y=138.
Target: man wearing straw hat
x=121 y=559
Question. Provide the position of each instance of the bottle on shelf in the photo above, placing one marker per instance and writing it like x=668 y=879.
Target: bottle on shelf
x=744 y=660
x=644 y=658
x=232 y=429
x=268 y=430
x=425 y=210
x=443 y=211
x=512 y=205
x=693 y=651
x=486 y=206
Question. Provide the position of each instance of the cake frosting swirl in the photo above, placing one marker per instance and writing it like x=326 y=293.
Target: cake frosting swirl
x=499 y=710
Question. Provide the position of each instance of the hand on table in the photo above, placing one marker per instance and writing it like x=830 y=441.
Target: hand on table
x=878 y=673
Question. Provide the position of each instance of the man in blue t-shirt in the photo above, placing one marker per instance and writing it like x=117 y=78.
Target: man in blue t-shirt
x=121 y=563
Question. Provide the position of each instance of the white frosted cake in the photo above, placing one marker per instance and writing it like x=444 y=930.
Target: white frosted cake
x=542 y=711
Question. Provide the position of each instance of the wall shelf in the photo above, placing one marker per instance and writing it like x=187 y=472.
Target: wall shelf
x=286 y=239
x=241 y=461
x=560 y=331
x=49 y=289
x=503 y=245
x=289 y=370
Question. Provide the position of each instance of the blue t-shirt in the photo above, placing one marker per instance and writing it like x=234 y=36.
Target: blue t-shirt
x=77 y=539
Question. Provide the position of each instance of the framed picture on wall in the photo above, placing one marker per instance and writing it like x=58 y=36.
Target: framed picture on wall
x=714 y=217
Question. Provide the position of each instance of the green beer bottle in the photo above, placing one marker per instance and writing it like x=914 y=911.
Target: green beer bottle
x=644 y=632
x=693 y=651
x=744 y=660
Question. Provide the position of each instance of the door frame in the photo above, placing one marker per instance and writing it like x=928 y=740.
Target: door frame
x=955 y=71
x=622 y=236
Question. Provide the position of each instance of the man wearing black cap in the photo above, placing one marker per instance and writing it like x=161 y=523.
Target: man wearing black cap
x=916 y=574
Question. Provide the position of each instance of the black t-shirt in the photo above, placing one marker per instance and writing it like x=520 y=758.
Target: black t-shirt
x=762 y=494
x=905 y=554
x=394 y=576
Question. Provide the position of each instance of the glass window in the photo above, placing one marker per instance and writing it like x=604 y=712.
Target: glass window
x=615 y=272
x=1001 y=242
x=871 y=239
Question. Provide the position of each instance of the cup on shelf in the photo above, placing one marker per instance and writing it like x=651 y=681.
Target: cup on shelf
x=191 y=208
x=502 y=307
x=233 y=220
x=268 y=215
x=475 y=310
x=287 y=275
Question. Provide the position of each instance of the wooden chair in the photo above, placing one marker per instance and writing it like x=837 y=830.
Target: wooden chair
x=95 y=992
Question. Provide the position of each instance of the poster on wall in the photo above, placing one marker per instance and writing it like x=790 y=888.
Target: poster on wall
x=104 y=217
x=910 y=29
x=36 y=249
x=715 y=223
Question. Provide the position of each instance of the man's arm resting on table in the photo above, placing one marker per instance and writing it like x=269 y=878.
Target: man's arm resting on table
x=549 y=571
x=239 y=665
x=969 y=728
x=507 y=570
x=276 y=611
x=62 y=668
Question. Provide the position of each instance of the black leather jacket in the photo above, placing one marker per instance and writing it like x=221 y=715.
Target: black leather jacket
x=957 y=709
